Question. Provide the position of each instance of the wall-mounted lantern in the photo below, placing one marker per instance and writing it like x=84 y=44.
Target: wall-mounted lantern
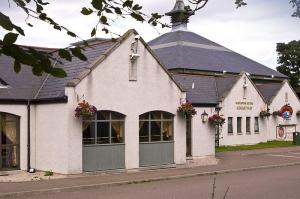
x=204 y=116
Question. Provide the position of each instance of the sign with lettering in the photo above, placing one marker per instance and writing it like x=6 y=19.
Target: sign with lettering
x=244 y=106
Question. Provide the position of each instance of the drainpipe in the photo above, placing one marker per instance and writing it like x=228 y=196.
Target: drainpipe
x=28 y=136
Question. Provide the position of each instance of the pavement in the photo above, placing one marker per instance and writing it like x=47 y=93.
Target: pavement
x=229 y=162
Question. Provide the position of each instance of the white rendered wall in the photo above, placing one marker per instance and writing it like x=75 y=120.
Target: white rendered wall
x=229 y=109
x=108 y=88
x=279 y=101
x=203 y=135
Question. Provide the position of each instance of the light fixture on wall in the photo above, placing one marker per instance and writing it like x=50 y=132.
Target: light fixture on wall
x=204 y=116
x=134 y=48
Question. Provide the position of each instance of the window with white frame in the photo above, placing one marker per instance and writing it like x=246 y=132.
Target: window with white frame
x=239 y=125
x=248 y=126
x=156 y=126
x=230 y=125
x=256 y=125
x=106 y=127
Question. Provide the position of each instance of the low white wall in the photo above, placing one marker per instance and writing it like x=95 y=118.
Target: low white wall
x=203 y=134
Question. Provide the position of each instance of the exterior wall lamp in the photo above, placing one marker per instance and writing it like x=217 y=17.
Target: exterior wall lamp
x=204 y=116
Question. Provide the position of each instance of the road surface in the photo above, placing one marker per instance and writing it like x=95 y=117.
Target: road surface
x=275 y=183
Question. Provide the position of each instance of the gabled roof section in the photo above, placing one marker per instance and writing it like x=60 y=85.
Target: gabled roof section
x=199 y=89
x=269 y=91
x=187 y=50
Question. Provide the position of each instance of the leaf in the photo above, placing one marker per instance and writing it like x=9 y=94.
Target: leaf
x=93 y=33
x=10 y=38
x=39 y=8
x=105 y=30
x=58 y=72
x=42 y=3
x=103 y=20
x=128 y=3
x=137 y=7
x=97 y=4
x=57 y=27
x=5 y=22
x=71 y=34
x=118 y=10
x=65 y=54
x=136 y=16
x=29 y=24
x=43 y=16
x=86 y=11
x=77 y=53
x=17 y=66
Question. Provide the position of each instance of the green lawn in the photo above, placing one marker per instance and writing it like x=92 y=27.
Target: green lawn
x=262 y=145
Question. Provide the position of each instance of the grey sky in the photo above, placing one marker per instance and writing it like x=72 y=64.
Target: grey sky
x=253 y=30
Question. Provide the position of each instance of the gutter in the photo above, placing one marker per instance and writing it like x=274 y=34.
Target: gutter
x=56 y=100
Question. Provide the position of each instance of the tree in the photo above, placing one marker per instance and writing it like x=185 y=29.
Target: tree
x=289 y=60
x=43 y=61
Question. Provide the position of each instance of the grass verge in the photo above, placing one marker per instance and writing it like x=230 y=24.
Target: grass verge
x=262 y=145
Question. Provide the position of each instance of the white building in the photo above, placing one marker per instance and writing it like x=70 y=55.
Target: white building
x=137 y=91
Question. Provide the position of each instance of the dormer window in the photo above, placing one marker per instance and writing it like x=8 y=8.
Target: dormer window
x=3 y=84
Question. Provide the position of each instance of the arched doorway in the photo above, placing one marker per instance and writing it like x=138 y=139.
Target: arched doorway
x=9 y=141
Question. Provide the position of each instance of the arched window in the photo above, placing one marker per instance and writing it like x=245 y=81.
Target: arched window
x=107 y=127
x=156 y=126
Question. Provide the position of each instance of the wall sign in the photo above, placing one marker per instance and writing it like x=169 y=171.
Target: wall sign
x=244 y=106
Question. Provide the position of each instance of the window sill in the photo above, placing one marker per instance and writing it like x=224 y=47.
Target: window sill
x=240 y=133
x=256 y=133
x=230 y=134
x=248 y=133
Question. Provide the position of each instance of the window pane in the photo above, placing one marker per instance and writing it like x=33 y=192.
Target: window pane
x=248 y=120
x=88 y=136
x=167 y=130
x=230 y=126
x=144 y=131
x=155 y=115
x=239 y=125
x=102 y=132
x=256 y=124
x=167 y=116
x=117 y=132
x=117 y=116
x=155 y=129
x=144 y=116
x=103 y=115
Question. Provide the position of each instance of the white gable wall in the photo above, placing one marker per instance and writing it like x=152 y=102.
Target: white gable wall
x=108 y=88
x=279 y=101
x=229 y=109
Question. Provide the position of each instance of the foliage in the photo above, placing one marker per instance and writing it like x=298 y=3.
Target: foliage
x=264 y=113
x=298 y=113
x=48 y=173
x=84 y=109
x=216 y=120
x=187 y=109
x=262 y=145
x=289 y=61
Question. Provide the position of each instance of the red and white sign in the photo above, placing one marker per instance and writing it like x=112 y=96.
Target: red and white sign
x=281 y=133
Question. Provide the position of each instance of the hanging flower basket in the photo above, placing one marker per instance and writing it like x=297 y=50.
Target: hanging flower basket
x=264 y=113
x=298 y=113
x=85 y=110
x=187 y=109
x=216 y=120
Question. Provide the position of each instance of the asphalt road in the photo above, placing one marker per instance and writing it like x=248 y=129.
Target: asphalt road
x=275 y=183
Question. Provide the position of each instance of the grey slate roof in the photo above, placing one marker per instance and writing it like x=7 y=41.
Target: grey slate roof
x=205 y=89
x=269 y=91
x=27 y=86
x=187 y=50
